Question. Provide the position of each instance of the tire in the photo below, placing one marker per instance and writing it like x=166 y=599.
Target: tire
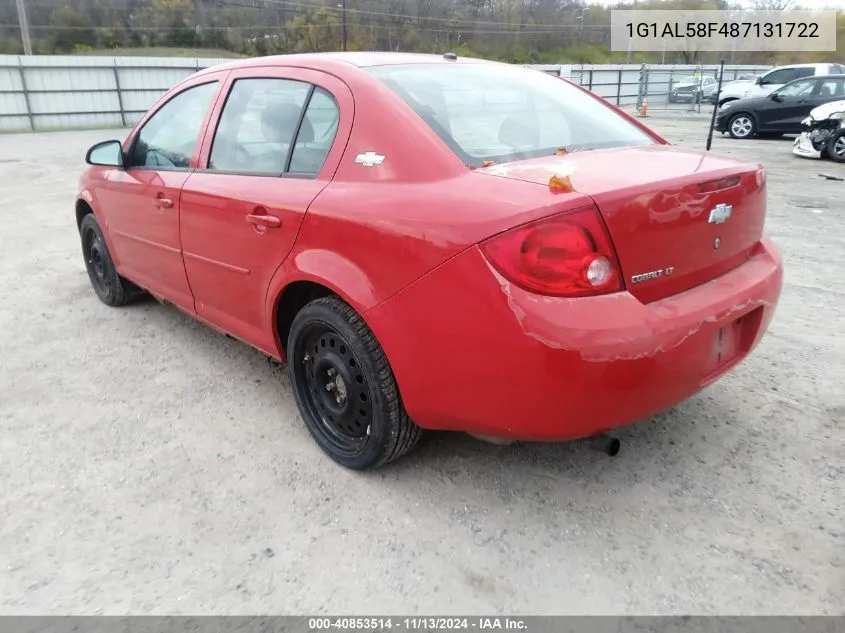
x=741 y=126
x=836 y=147
x=111 y=288
x=344 y=387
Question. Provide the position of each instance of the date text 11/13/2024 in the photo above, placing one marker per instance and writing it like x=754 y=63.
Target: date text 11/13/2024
x=422 y=623
x=690 y=30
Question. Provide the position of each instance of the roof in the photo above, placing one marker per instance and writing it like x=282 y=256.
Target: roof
x=329 y=61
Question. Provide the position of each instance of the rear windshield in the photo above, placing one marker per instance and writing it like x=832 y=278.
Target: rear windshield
x=504 y=113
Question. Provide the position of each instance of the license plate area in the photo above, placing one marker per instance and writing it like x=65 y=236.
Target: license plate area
x=731 y=342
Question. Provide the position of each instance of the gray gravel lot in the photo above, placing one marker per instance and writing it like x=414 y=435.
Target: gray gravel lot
x=150 y=465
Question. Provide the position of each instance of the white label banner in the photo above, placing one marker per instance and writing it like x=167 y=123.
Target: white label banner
x=722 y=31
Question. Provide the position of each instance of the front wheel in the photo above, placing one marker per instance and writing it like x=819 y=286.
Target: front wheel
x=110 y=287
x=741 y=126
x=836 y=147
x=344 y=387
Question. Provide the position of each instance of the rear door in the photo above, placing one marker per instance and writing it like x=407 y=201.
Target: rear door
x=830 y=89
x=277 y=140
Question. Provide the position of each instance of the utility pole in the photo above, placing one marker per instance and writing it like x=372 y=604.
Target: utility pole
x=27 y=46
x=343 y=9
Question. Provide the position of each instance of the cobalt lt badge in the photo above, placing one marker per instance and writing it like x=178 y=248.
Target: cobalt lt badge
x=720 y=213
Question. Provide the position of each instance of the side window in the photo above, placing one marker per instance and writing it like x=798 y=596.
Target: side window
x=804 y=72
x=798 y=88
x=316 y=134
x=169 y=137
x=257 y=126
x=782 y=76
x=832 y=88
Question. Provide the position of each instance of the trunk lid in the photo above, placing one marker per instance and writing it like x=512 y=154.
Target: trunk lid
x=677 y=218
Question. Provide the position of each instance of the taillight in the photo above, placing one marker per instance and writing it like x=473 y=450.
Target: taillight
x=567 y=255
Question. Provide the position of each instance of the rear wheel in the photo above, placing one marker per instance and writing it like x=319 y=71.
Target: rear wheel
x=741 y=126
x=836 y=147
x=345 y=389
x=110 y=287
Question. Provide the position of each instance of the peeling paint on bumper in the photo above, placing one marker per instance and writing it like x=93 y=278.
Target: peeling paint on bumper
x=504 y=362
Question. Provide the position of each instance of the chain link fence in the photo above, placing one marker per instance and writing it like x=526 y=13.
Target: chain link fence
x=667 y=87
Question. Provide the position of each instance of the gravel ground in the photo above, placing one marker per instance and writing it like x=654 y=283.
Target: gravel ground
x=149 y=465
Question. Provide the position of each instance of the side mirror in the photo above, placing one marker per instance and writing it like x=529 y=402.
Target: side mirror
x=105 y=154
x=759 y=81
x=775 y=97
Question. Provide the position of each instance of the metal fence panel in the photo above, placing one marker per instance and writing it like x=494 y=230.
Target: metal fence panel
x=64 y=92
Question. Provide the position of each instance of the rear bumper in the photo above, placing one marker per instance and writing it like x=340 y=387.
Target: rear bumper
x=472 y=352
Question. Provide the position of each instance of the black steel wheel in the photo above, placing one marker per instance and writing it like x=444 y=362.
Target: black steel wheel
x=344 y=388
x=112 y=289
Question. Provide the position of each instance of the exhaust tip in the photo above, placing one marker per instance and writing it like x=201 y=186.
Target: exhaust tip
x=606 y=444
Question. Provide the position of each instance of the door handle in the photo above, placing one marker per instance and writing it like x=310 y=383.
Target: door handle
x=265 y=221
x=163 y=203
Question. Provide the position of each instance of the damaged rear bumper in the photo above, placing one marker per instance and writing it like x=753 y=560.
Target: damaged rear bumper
x=472 y=352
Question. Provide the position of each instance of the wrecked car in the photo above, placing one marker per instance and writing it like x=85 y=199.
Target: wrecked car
x=824 y=133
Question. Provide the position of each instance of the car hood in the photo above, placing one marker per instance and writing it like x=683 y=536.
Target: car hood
x=685 y=84
x=824 y=111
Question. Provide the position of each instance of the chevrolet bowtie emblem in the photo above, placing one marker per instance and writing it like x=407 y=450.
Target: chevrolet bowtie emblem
x=720 y=213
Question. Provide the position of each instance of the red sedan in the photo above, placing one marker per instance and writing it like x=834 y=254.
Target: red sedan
x=435 y=243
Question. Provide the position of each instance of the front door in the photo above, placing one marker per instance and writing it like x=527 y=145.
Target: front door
x=277 y=142
x=141 y=202
x=784 y=109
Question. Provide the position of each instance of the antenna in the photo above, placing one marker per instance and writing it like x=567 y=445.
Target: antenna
x=716 y=105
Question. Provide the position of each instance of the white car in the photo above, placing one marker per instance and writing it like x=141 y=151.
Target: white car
x=767 y=83
x=824 y=133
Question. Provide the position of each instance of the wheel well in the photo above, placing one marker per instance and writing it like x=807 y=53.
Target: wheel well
x=293 y=299
x=82 y=209
x=746 y=113
x=724 y=101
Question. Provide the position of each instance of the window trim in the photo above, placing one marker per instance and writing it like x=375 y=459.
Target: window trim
x=131 y=149
x=205 y=169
